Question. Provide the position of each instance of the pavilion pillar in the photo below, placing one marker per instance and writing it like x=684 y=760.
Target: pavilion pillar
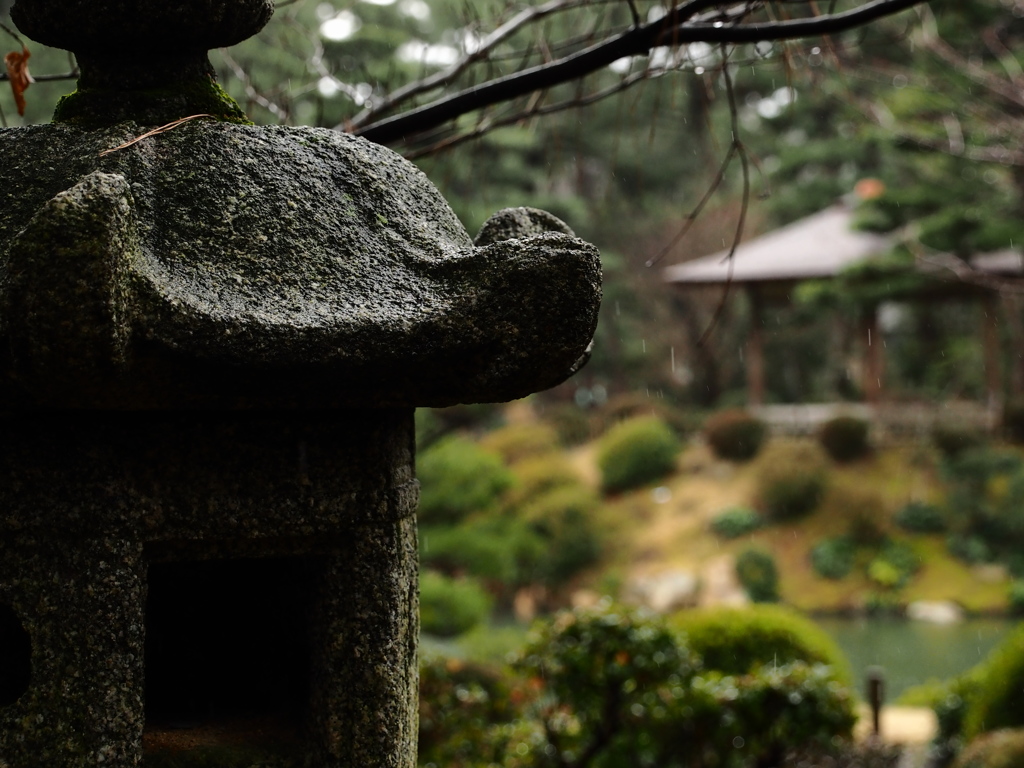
x=1012 y=309
x=991 y=349
x=755 y=349
x=874 y=355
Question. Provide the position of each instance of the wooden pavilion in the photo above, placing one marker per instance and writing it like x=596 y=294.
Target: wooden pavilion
x=825 y=246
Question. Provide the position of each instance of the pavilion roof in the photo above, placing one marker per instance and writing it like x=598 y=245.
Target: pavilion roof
x=819 y=246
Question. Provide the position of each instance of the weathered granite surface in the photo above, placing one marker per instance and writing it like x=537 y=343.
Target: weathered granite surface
x=212 y=344
x=221 y=257
x=128 y=27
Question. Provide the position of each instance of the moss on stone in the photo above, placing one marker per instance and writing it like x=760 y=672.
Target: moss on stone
x=93 y=107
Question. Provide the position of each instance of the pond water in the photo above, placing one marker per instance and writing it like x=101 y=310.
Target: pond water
x=913 y=652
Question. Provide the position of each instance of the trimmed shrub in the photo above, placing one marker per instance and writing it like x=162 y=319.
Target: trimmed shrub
x=845 y=438
x=902 y=557
x=612 y=666
x=999 y=749
x=449 y=607
x=971 y=549
x=790 y=480
x=460 y=706
x=757 y=573
x=736 y=641
x=833 y=558
x=736 y=522
x=884 y=574
x=563 y=519
x=636 y=452
x=458 y=478
x=1016 y=597
x=500 y=551
x=919 y=517
x=999 y=699
x=735 y=434
x=538 y=476
x=518 y=442
x=755 y=718
x=952 y=441
x=950 y=706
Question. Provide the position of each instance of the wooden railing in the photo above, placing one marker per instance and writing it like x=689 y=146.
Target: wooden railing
x=895 y=419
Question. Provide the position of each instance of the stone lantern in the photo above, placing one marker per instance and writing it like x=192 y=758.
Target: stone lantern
x=214 y=340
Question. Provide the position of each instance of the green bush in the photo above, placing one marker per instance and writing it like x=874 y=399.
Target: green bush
x=833 y=558
x=753 y=719
x=636 y=452
x=518 y=442
x=985 y=503
x=971 y=549
x=736 y=522
x=462 y=706
x=736 y=641
x=884 y=574
x=845 y=438
x=564 y=519
x=952 y=441
x=950 y=708
x=501 y=551
x=625 y=690
x=902 y=557
x=458 y=478
x=1016 y=597
x=757 y=573
x=735 y=434
x=606 y=672
x=919 y=517
x=999 y=749
x=790 y=480
x=537 y=476
x=999 y=700
x=634 y=405
x=449 y=607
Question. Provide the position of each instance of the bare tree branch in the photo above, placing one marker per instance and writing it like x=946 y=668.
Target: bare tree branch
x=445 y=76
x=534 y=109
x=675 y=28
x=239 y=71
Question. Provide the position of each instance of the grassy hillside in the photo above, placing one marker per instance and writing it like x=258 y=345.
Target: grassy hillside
x=676 y=533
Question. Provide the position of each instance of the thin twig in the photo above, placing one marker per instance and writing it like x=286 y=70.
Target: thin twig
x=250 y=90
x=737 y=145
x=635 y=12
x=691 y=217
x=154 y=132
x=13 y=34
